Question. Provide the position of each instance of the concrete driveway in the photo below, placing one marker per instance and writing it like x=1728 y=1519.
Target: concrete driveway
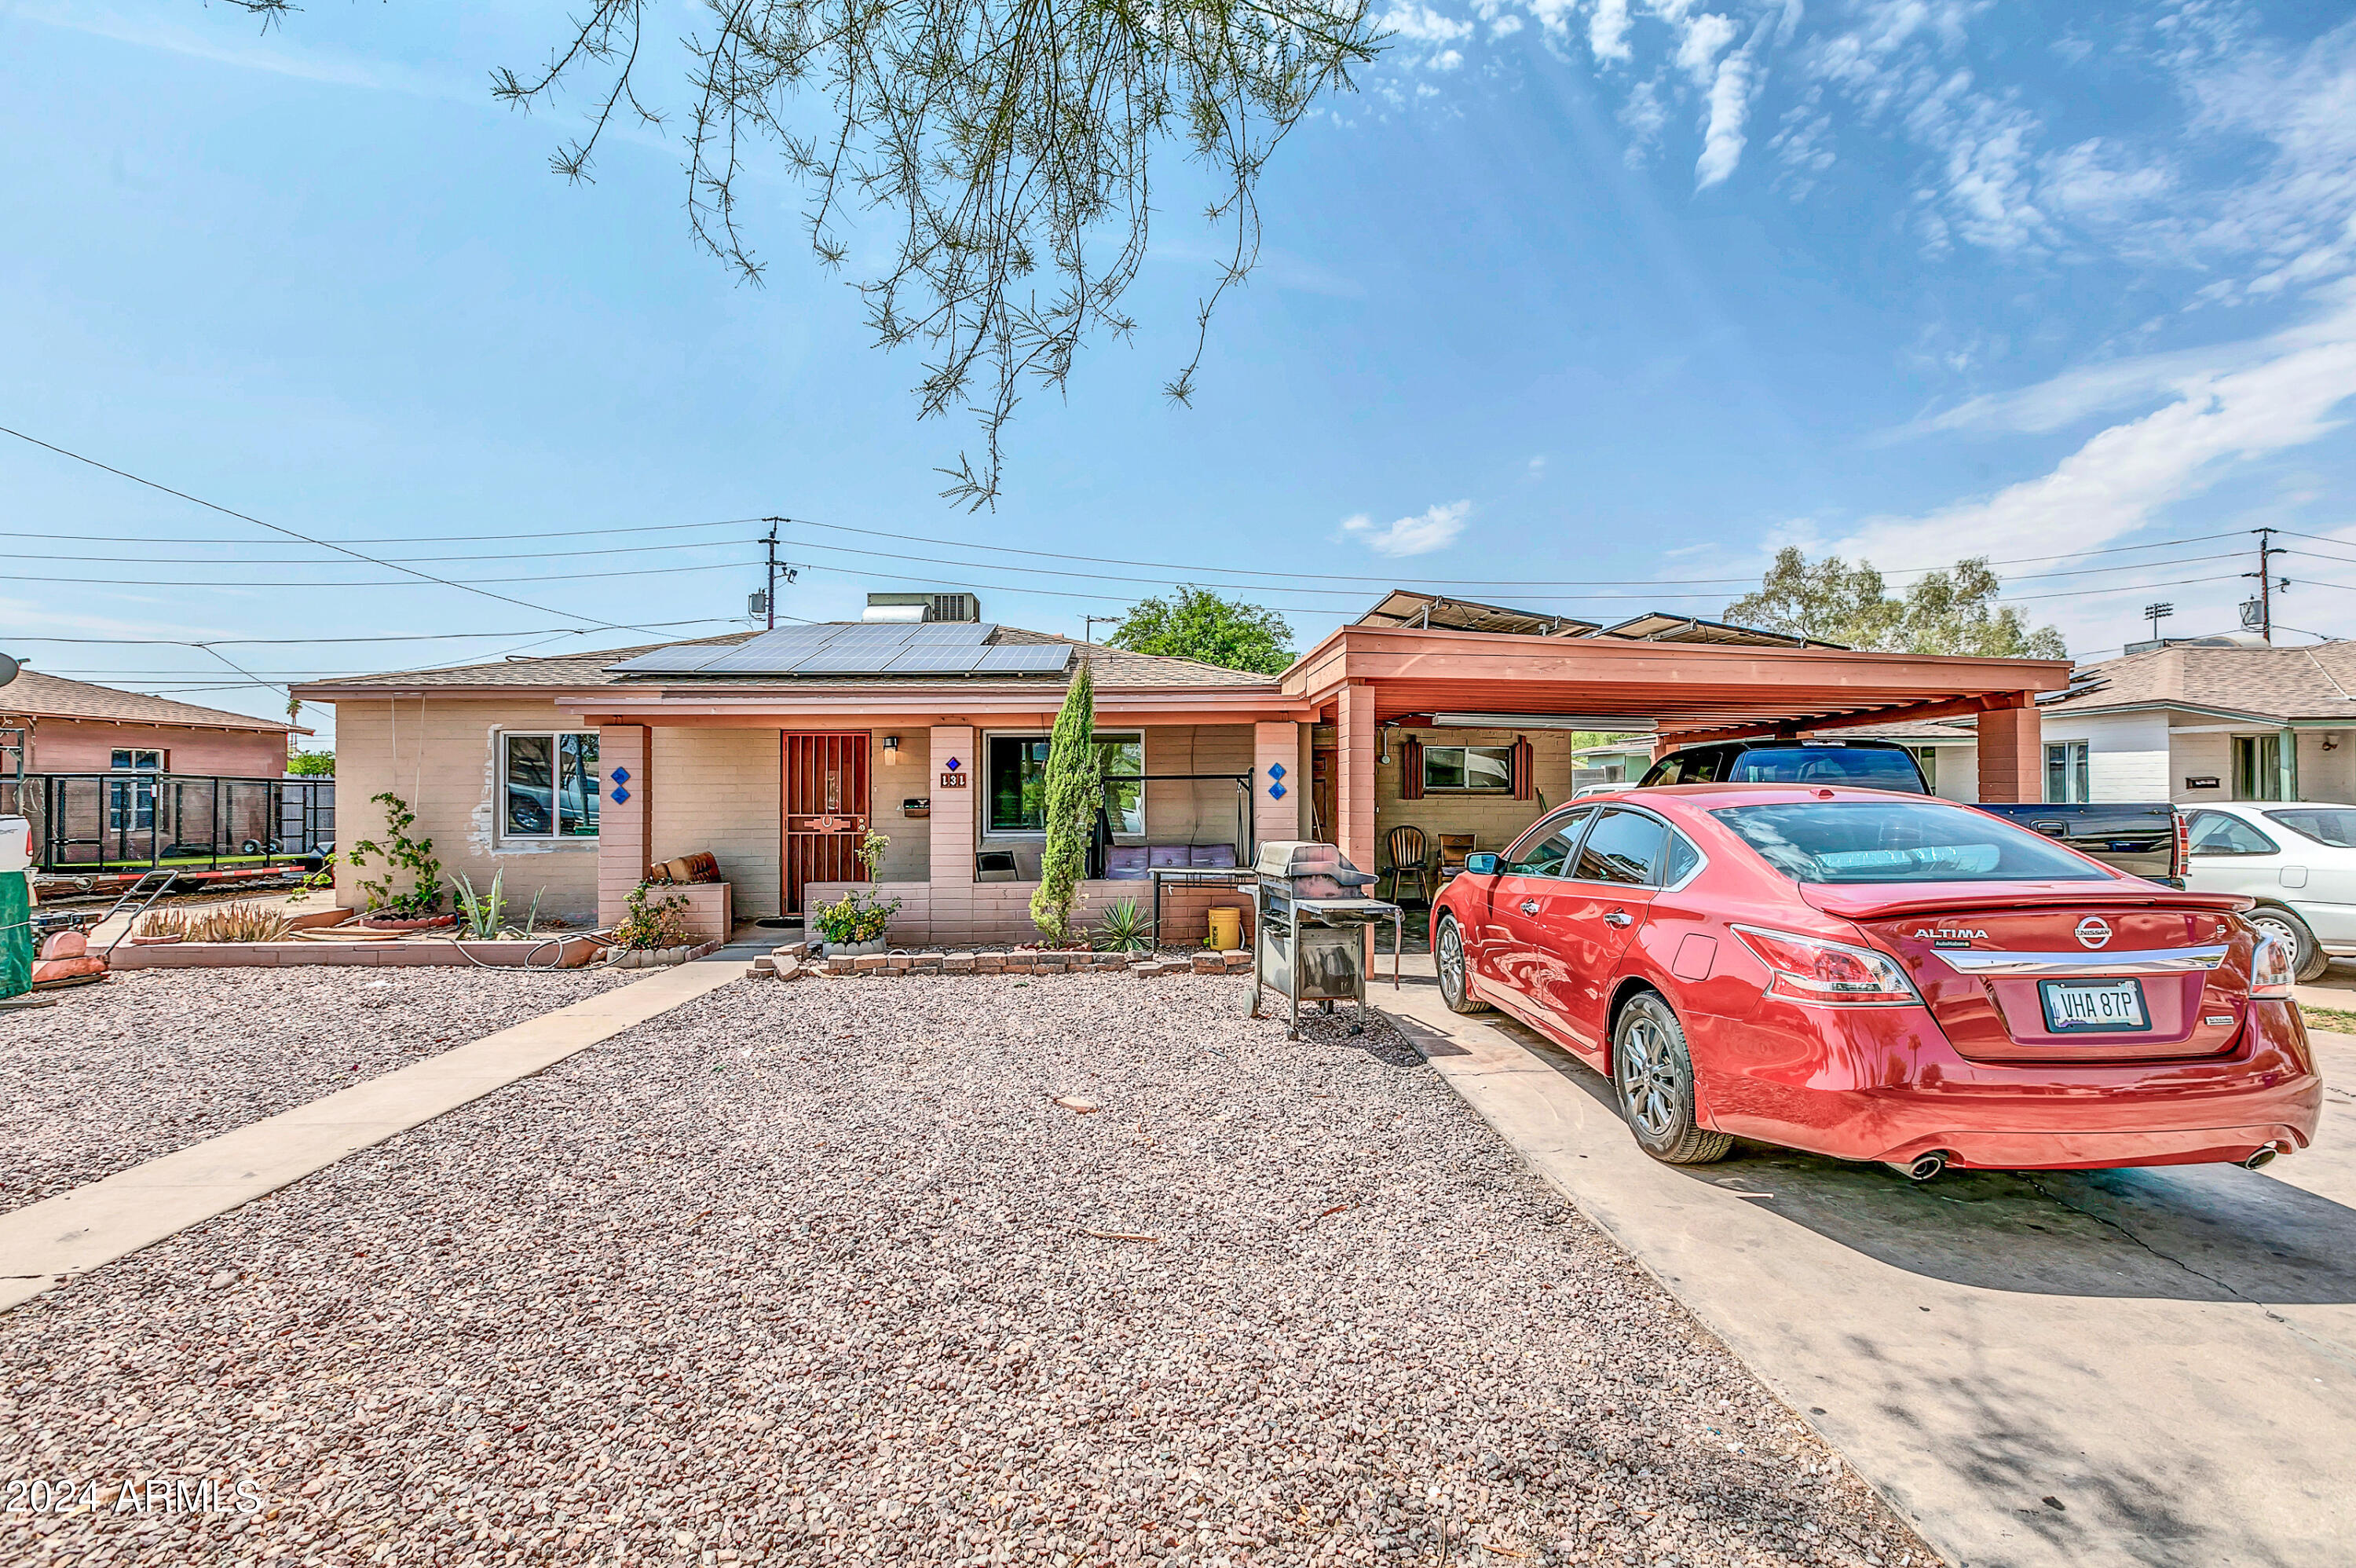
x=2119 y=1367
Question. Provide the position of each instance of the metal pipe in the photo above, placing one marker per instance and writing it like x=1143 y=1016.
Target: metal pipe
x=1923 y=1167
x=2262 y=1157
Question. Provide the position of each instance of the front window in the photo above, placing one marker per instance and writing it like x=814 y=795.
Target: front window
x=548 y=785
x=2067 y=778
x=1017 y=781
x=138 y=762
x=2257 y=767
x=1624 y=847
x=1548 y=854
x=1479 y=769
x=1901 y=841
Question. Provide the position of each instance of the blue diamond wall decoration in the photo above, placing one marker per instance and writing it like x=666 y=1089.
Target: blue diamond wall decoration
x=621 y=775
x=1275 y=770
x=619 y=797
x=1276 y=792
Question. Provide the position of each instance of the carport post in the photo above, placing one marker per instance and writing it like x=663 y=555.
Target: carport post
x=2012 y=753
x=1354 y=762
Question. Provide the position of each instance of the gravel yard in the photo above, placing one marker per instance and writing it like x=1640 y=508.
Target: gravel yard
x=824 y=1270
x=156 y=1060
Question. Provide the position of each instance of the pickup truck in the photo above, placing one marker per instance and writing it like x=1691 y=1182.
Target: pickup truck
x=2145 y=840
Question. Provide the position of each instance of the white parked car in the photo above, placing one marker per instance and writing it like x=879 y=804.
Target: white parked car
x=2297 y=859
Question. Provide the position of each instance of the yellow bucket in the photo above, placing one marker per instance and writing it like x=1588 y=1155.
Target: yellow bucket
x=1226 y=928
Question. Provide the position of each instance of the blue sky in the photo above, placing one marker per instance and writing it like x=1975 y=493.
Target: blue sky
x=1586 y=306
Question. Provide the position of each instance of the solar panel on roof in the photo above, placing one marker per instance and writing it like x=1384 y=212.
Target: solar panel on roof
x=859 y=648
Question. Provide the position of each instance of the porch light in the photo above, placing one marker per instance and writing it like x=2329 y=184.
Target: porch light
x=891 y=750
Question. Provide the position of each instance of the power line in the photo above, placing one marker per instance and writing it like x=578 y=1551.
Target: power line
x=1437 y=581
x=452 y=538
x=399 y=582
x=386 y=637
x=290 y=533
x=305 y=561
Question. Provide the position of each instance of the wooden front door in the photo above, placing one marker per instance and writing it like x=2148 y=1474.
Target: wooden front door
x=826 y=810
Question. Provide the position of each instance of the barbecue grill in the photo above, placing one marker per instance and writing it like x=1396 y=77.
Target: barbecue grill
x=1309 y=939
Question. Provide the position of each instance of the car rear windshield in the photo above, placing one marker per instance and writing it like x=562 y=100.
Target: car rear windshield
x=1868 y=765
x=2337 y=828
x=1900 y=841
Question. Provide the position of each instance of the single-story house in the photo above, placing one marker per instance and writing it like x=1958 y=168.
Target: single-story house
x=2207 y=720
x=775 y=751
x=73 y=727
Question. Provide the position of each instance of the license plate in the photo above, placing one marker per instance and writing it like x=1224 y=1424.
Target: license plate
x=2092 y=1006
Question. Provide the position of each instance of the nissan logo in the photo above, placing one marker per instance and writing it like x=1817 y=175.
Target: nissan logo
x=2094 y=931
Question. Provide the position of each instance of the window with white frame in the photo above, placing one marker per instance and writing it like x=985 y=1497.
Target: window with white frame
x=548 y=785
x=1474 y=770
x=1015 y=774
x=2067 y=781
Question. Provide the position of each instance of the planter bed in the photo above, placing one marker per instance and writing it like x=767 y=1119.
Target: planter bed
x=543 y=952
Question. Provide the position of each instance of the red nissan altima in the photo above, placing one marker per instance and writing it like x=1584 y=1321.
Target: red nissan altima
x=1879 y=976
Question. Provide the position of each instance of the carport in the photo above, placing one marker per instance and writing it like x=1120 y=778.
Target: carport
x=1367 y=678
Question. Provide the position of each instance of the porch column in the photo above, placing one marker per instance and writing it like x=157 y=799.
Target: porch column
x=1276 y=794
x=951 y=838
x=1353 y=765
x=2012 y=753
x=622 y=815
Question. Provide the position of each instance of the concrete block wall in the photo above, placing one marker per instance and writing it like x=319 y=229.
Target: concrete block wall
x=1495 y=820
x=909 y=857
x=721 y=790
x=439 y=754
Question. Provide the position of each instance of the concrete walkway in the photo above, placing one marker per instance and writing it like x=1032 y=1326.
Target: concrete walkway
x=2138 y=1367
x=51 y=1241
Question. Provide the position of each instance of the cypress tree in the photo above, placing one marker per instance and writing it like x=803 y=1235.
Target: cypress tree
x=1075 y=786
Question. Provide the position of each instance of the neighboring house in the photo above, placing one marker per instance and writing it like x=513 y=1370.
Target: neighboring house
x=2193 y=723
x=775 y=751
x=72 y=727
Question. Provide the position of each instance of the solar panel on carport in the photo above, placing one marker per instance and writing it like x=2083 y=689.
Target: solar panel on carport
x=958 y=647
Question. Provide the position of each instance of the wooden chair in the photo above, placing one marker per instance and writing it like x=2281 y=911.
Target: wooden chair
x=1410 y=856
x=1453 y=847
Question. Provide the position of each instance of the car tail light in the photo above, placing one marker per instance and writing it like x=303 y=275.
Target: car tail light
x=1811 y=969
x=2273 y=967
x=2182 y=865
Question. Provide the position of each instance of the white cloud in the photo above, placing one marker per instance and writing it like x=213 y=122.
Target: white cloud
x=1607 y=32
x=1729 y=106
x=1437 y=529
x=1538 y=465
x=1436 y=34
x=2250 y=403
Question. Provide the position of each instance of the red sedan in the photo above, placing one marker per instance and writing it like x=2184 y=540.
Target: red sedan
x=1886 y=977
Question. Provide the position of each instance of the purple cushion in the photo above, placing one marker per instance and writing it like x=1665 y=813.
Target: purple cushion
x=1219 y=854
x=1124 y=863
x=1167 y=855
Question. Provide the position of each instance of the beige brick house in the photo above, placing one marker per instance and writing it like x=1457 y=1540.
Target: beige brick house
x=775 y=750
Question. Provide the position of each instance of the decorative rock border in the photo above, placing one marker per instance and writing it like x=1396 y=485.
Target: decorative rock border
x=792 y=960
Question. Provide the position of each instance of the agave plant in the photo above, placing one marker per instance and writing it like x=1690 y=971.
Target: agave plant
x=164 y=922
x=481 y=915
x=1125 y=928
x=237 y=923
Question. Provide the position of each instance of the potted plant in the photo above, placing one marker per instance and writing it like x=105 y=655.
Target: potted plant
x=857 y=923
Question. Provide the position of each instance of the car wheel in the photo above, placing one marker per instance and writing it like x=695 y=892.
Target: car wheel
x=1654 y=1074
x=2308 y=960
x=1447 y=957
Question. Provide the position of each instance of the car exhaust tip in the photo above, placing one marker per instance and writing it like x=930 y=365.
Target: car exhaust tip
x=2264 y=1156
x=1923 y=1167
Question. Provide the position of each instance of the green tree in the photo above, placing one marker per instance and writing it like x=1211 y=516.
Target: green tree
x=1006 y=147
x=1075 y=786
x=1196 y=623
x=1951 y=612
x=1828 y=602
x=311 y=765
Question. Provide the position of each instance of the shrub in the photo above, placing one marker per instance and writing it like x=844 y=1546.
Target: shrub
x=401 y=853
x=311 y=765
x=164 y=922
x=236 y=922
x=857 y=916
x=650 y=923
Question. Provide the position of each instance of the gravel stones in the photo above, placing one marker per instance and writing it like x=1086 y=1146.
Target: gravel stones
x=156 y=1060
x=802 y=1273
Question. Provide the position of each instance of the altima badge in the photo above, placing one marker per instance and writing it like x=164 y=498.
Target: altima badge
x=2093 y=931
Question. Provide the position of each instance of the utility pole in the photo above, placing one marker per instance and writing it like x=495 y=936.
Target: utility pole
x=769 y=600
x=2265 y=605
x=1088 y=622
